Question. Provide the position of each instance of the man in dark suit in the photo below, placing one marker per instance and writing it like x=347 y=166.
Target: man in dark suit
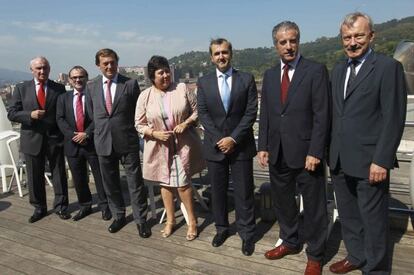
x=33 y=105
x=227 y=107
x=112 y=98
x=77 y=127
x=368 y=114
x=294 y=119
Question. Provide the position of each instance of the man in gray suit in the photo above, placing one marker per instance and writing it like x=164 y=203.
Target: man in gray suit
x=369 y=100
x=111 y=99
x=33 y=105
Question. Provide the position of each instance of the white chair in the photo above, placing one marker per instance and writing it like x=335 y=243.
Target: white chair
x=10 y=137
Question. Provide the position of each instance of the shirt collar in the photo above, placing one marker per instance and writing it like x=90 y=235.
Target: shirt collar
x=291 y=64
x=37 y=82
x=114 y=80
x=362 y=58
x=229 y=72
x=76 y=92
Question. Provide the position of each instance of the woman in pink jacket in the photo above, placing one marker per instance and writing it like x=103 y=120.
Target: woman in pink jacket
x=166 y=116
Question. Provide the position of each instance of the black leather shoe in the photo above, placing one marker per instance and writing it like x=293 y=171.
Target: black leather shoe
x=247 y=248
x=82 y=213
x=63 y=215
x=106 y=214
x=219 y=239
x=117 y=225
x=37 y=215
x=144 y=230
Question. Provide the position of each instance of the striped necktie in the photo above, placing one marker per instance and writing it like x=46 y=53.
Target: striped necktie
x=108 y=97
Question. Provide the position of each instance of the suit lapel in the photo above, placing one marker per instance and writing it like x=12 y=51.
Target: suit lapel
x=234 y=88
x=120 y=87
x=364 y=71
x=275 y=88
x=31 y=93
x=340 y=85
x=300 y=72
x=50 y=93
x=69 y=105
x=215 y=91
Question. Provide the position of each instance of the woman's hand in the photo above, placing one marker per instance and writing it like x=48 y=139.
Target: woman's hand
x=162 y=135
x=180 y=128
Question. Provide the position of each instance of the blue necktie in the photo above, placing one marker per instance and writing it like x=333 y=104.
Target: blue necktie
x=225 y=92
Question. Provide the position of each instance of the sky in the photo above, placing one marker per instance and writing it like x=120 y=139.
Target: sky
x=70 y=32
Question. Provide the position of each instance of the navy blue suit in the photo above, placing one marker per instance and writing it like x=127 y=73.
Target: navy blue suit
x=79 y=156
x=290 y=132
x=238 y=124
x=366 y=128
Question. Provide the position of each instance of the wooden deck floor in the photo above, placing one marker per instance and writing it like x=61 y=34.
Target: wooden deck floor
x=54 y=246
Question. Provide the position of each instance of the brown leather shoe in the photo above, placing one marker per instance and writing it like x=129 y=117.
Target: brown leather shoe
x=342 y=267
x=313 y=268
x=280 y=252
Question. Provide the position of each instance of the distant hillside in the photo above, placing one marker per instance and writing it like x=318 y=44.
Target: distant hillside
x=9 y=76
x=326 y=50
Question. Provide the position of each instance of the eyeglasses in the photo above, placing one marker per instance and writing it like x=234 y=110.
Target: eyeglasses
x=78 y=77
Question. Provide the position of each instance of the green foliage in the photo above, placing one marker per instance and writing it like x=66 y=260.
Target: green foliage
x=326 y=50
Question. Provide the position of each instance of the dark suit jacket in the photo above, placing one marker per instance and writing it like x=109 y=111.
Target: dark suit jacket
x=32 y=132
x=300 y=126
x=115 y=131
x=367 y=126
x=237 y=123
x=65 y=118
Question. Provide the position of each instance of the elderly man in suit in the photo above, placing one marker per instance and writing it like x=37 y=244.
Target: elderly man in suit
x=33 y=105
x=227 y=107
x=368 y=114
x=77 y=127
x=111 y=98
x=293 y=130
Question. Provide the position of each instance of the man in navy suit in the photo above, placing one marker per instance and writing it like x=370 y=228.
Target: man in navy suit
x=368 y=114
x=227 y=107
x=33 y=104
x=294 y=117
x=77 y=127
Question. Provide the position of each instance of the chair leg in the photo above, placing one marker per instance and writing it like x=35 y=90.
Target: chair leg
x=3 y=179
x=48 y=180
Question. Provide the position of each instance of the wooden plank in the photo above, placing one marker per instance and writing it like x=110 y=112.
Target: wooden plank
x=19 y=264
x=162 y=256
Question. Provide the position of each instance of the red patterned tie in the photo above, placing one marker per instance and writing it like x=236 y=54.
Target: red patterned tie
x=284 y=87
x=41 y=96
x=108 y=97
x=80 y=118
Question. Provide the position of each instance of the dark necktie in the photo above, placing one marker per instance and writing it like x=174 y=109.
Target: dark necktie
x=108 y=97
x=352 y=74
x=41 y=96
x=284 y=87
x=80 y=118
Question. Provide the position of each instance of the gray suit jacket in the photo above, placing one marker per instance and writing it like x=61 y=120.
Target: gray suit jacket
x=237 y=123
x=368 y=124
x=115 y=131
x=32 y=132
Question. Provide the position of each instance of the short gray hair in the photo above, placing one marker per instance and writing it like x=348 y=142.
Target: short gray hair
x=41 y=58
x=350 y=19
x=285 y=25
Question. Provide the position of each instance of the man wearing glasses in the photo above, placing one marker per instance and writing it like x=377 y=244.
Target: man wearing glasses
x=77 y=127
